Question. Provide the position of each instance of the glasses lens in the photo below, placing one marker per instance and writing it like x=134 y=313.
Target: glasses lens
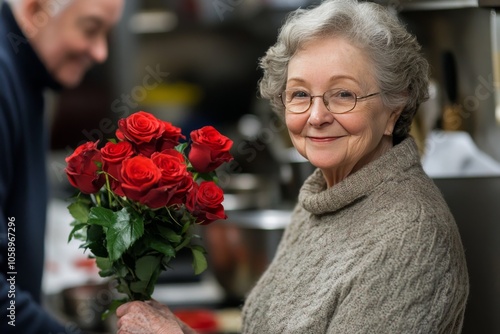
x=340 y=100
x=296 y=101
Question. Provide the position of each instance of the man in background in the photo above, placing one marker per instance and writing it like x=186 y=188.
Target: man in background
x=44 y=44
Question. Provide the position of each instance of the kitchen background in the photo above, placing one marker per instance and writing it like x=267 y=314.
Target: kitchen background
x=195 y=62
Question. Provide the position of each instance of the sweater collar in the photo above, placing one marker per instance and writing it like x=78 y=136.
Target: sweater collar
x=30 y=64
x=316 y=198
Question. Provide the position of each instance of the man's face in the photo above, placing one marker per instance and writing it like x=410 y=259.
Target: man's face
x=75 y=38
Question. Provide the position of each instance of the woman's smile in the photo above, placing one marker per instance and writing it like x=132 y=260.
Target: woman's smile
x=322 y=139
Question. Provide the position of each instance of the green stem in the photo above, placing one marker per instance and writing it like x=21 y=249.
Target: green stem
x=97 y=199
x=108 y=188
x=175 y=221
x=183 y=243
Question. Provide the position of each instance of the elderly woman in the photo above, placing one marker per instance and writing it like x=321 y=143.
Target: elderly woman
x=372 y=246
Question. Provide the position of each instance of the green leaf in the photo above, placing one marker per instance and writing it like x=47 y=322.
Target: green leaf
x=163 y=247
x=106 y=272
x=76 y=227
x=79 y=211
x=96 y=241
x=187 y=224
x=169 y=234
x=122 y=232
x=181 y=147
x=123 y=287
x=187 y=218
x=112 y=307
x=199 y=260
x=103 y=263
x=146 y=266
x=139 y=286
x=147 y=270
x=121 y=270
x=98 y=164
x=102 y=216
x=211 y=176
x=165 y=262
x=80 y=235
x=183 y=244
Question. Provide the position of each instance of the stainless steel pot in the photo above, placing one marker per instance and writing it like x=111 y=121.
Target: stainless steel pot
x=249 y=191
x=85 y=304
x=241 y=247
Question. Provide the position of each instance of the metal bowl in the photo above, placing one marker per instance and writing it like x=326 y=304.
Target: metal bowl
x=85 y=304
x=241 y=247
x=249 y=192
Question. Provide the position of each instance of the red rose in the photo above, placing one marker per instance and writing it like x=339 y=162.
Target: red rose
x=172 y=166
x=169 y=195
x=183 y=189
x=119 y=135
x=142 y=129
x=172 y=182
x=139 y=175
x=82 y=168
x=113 y=154
x=205 y=202
x=209 y=149
x=170 y=137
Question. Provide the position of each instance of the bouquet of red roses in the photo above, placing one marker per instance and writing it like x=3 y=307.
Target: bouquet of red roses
x=141 y=194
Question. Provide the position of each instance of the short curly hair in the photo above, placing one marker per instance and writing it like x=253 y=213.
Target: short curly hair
x=401 y=70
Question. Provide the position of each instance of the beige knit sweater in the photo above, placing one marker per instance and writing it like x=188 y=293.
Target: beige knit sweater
x=377 y=253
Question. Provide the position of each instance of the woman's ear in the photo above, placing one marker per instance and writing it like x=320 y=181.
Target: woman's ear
x=391 y=122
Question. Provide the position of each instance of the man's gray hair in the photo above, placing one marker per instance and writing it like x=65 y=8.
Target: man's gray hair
x=400 y=69
x=53 y=7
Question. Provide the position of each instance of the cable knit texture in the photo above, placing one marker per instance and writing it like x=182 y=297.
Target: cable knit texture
x=378 y=252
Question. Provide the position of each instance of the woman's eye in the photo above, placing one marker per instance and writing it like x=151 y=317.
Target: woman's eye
x=299 y=95
x=344 y=94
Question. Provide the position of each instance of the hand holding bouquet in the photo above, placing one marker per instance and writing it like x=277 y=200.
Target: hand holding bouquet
x=141 y=195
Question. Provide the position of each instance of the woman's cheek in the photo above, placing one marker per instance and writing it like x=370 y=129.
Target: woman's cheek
x=296 y=123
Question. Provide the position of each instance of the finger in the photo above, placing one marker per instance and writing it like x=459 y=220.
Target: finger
x=122 y=310
x=123 y=322
x=156 y=304
x=119 y=324
x=126 y=308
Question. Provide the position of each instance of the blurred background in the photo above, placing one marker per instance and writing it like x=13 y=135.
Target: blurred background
x=195 y=62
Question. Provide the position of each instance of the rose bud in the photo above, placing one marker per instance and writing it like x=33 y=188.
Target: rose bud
x=82 y=168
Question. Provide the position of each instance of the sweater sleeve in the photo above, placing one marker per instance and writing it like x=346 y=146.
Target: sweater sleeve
x=411 y=284
x=19 y=313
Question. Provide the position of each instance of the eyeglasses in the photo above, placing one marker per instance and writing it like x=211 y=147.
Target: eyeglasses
x=337 y=101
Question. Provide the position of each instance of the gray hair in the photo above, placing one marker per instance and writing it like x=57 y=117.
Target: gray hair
x=400 y=69
x=53 y=7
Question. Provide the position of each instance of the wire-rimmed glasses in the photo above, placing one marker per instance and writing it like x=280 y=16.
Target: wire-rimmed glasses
x=337 y=101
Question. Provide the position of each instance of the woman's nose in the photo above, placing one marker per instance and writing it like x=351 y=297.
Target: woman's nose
x=319 y=113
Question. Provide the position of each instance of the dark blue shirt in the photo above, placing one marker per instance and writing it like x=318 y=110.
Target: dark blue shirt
x=23 y=185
